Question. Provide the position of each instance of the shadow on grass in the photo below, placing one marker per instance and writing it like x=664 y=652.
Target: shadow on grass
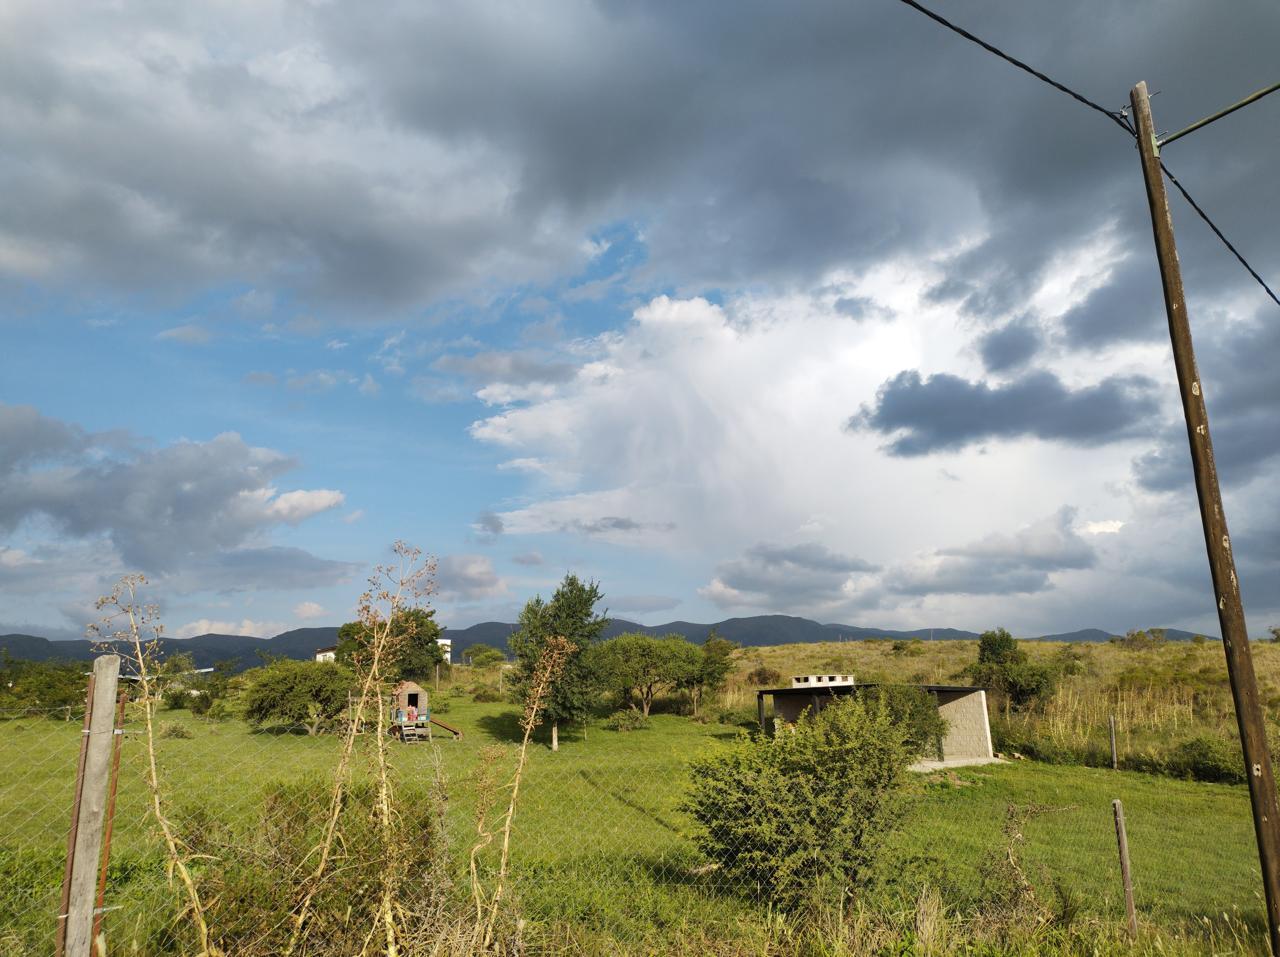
x=595 y=783
x=506 y=727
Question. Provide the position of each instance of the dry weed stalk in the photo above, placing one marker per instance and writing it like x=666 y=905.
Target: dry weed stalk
x=550 y=665
x=123 y=601
x=484 y=784
x=392 y=590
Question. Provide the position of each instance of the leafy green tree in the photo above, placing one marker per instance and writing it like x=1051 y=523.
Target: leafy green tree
x=40 y=686
x=481 y=656
x=1274 y=629
x=569 y=614
x=308 y=693
x=642 y=665
x=416 y=633
x=1003 y=667
x=714 y=668
x=802 y=815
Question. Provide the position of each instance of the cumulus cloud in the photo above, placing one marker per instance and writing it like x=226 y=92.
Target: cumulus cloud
x=175 y=510
x=308 y=610
x=998 y=564
x=803 y=577
x=246 y=626
x=468 y=578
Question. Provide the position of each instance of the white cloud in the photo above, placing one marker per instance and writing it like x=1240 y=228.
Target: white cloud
x=308 y=610
x=700 y=430
x=352 y=517
x=188 y=334
x=245 y=626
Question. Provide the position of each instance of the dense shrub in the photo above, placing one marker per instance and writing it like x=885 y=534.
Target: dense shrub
x=627 y=719
x=763 y=676
x=200 y=703
x=486 y=694
x=800 y=816
x=175 y=698
x=915 y=711
x=172 y=729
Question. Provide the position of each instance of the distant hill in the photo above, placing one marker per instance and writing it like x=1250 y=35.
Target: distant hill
x=246 y=652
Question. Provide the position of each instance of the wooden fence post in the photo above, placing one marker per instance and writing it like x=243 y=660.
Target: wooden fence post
x=1125 y=876
x=1115 y=761
x=89 y=815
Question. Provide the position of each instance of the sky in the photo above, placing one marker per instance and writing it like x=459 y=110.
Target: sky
x=809 y=308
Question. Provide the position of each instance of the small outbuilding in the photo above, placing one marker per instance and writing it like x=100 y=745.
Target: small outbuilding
x=408 y=697
x=964 y=708
x=327 y=654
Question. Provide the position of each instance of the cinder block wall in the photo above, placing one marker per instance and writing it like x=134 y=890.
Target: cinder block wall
x=968 y=730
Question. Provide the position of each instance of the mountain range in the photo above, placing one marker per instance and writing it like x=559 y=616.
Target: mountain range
x=246 y=652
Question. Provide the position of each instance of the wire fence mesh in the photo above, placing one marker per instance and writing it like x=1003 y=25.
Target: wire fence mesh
x=600 y=839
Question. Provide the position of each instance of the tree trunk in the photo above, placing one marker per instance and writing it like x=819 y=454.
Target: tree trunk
x=555 y=735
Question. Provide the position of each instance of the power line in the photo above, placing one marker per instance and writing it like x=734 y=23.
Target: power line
x=1120 y=118
x=1115 y=116
x=1218 y=232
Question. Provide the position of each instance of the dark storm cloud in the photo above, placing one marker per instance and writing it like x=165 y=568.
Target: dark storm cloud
x=945 y=412
x=1242 y=394
x=1130 y=306
x=1010 y=346
x=764 y=143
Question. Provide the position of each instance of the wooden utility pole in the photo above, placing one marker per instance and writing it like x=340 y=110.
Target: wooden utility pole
x=1226 y=586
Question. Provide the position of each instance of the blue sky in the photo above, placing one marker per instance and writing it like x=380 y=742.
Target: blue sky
x=818 y=311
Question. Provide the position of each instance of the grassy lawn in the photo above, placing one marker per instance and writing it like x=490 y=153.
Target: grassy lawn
x=599 y=838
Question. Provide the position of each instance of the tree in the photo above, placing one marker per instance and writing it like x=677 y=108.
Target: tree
x=308 y=693
x=1003 y=667
x=714 y=668
x=643 y=665
x=414 y=632
x=802 y=815
x=40 y=686
x=570 y=614
x=1275 y=633
x=481 y=656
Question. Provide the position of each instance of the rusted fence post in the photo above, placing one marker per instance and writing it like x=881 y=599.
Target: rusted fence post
x=75 y=937
x=1123 y=841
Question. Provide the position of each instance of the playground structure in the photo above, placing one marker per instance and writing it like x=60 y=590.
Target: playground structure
x=411 y=719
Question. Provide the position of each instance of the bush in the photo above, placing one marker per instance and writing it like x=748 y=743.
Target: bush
x=486 y=694
x=912 y=648
x=200 y=703
x=172 y=729
x=628 y=719
x=915 y=711
x=1208 y=758
x=762 y=676
x=801 y=816
x=175 y=698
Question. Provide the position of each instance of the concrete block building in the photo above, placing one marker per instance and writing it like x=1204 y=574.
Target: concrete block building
x=968 y=738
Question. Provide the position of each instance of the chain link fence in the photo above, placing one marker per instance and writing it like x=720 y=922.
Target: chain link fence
x=599 y=845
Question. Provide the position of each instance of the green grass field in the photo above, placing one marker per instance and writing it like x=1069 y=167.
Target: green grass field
x=599 y=840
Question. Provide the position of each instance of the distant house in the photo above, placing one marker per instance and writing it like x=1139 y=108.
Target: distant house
x=327 y=654
x=446 y=646
x=968 y=738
